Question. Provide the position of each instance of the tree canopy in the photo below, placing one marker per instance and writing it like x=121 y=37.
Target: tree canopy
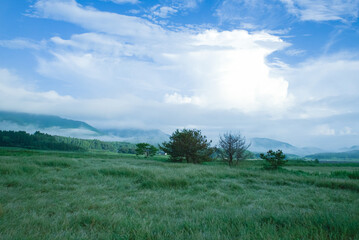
x=145 y=149
x=188 y=145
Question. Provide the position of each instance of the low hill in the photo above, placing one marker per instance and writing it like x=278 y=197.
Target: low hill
x=350 y=155
x=352 y=148
x=264 y=144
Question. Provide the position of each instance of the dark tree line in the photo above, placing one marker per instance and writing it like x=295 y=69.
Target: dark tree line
x=37 y=140
x=94 y=144
x=44 y=141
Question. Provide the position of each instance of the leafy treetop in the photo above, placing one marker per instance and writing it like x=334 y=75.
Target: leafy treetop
x=189 y=145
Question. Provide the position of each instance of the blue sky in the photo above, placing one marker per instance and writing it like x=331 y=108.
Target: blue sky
x=284 y=69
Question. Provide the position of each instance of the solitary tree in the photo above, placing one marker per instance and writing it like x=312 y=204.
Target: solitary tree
x=189 y=145
x=273 y=160
x=233 y=147
x=145 y=149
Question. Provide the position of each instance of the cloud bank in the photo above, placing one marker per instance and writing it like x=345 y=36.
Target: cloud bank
x=126 y=71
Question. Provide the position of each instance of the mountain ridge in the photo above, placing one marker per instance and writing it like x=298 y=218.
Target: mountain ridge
x=55 y=125
x=265 y=144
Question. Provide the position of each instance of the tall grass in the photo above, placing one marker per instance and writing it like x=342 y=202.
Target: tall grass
x=49 y=195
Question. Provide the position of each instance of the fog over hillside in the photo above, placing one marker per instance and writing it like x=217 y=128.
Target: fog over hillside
x=55 y=125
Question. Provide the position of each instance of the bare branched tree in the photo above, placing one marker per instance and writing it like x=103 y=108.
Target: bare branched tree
x=233 y=148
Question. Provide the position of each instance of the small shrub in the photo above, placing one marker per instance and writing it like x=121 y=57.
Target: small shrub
x=273 y=160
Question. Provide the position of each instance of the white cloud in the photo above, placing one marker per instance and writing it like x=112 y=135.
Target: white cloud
x=20 y=43
x=139 y=74
x=325 y=130
x=327 y=76
x=162 y=11
x=222 y=70
x=347 y=131
x=186 y=4
x=130 y=111
x=324 y=86
x=17 y=96
x=295 y=52
x=66 y=132
x=176 y=98
x=253 y=14
x=123 y=1
x=92 y=19
x=323 y=10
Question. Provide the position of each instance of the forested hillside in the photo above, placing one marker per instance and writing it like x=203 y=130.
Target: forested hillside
x=44 y=141
x=34 y=141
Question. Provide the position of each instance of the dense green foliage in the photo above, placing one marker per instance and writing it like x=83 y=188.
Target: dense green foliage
x=94 y=144
x=189 y=145
x=273 y=160
x=34 y=141
x=146 y=149
x=233 y=147
x=47 y=142
x=60 y=195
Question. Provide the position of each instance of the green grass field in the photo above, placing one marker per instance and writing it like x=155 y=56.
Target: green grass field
x=62 y=195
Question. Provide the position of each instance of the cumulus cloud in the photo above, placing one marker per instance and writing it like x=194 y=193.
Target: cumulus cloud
x=325 y=86
x=15 y=95
x=220 y=69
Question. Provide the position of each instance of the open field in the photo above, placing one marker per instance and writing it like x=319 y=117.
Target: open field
x=63 y=195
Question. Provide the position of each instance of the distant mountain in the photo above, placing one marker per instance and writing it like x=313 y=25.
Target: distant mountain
x=352 y=148
x=265 y=144
x=55 y=125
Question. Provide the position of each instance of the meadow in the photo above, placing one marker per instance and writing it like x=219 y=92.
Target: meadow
x=97 y=195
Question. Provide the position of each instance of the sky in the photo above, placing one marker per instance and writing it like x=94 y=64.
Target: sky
x=281 y=69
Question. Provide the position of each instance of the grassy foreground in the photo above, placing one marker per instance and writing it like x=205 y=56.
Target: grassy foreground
x=50 y=195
